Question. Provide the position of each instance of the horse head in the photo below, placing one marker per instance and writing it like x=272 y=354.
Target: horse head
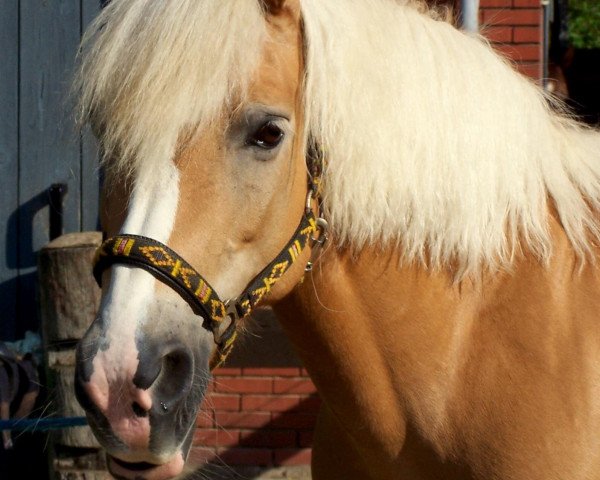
x=226 y=193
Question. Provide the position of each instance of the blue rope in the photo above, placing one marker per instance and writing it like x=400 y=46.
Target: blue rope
x=42 y=424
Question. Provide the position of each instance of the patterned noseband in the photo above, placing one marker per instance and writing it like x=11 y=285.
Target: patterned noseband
x=220 y=317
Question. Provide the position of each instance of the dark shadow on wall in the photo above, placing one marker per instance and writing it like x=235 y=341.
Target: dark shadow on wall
x=18 y=295
x=263 y=344
x=266 y=438
x=287 y=434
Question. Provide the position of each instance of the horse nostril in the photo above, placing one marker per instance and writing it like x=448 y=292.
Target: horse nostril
x=175 y=361
x=167 y=371
x=138 y=410
x=176 y=376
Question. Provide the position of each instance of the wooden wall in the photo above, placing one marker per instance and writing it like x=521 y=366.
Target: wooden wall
x=38 y=144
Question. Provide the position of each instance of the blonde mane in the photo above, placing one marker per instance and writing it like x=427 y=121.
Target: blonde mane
x=152 y=71
x=434 y=144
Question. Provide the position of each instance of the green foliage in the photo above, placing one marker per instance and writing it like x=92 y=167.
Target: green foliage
x=584 y=23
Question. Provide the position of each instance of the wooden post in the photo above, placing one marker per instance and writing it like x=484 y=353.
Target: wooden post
x=69 y=300
x=69 y=296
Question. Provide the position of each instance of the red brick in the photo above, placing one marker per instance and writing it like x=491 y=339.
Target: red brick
x=305 y=439
x=526 y=3
x=205 y=419
x=242 y=420
x=272 y=372
x=201 y=455
x=527 y=35
x=512 y=17
x=296 y=385
x=495 y=3
x=246 y=456
x=212 y=437
x=285 y=457
x=244 y=385
x=268 y=438
x=520 y=52
x=498 y=34
x=293 y=420
x=227 y=372
x=269 y=403
x=533 y=70
x=223 y=402
x=304 y=372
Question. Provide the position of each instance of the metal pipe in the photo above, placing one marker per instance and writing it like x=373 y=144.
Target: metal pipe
x=547 y=18
x=469 y=14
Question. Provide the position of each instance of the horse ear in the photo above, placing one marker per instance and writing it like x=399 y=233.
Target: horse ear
x=273 y=6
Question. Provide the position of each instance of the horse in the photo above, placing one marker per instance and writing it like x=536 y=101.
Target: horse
x=422 y=219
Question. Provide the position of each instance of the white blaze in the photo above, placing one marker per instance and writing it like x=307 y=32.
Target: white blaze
x=151 y=213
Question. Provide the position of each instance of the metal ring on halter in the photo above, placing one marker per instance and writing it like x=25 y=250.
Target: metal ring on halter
x=225 y=328
x=318 y=242
x=323 y=229
x=231 y=309
x=309 y=198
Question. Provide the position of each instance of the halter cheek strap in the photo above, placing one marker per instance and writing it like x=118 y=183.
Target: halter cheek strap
x=221 y=318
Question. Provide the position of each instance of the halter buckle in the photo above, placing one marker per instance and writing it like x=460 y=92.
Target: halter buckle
x=225 y=328
x=231 y=309
x=323 y=229
x=317 y=242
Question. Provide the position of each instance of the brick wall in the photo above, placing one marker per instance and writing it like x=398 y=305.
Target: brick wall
x=257 y=416
x=515 y=29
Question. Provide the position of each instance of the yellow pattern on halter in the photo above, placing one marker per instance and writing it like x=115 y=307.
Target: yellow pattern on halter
x=159 y=257
x=167 y=266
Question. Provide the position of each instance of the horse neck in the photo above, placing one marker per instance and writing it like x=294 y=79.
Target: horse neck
x=378 y=339
x=394 y=349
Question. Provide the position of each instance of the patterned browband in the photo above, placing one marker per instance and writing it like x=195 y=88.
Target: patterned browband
x=171 y=269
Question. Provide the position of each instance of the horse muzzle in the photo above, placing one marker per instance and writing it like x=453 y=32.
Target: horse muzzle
x=142 y=391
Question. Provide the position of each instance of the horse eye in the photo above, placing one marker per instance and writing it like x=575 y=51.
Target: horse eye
x=268 y=136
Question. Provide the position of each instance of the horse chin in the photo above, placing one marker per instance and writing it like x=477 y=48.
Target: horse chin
x=161 y=456
x=123 y=470
x=158 y=462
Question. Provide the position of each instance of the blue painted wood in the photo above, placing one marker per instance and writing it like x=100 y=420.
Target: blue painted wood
x=9 y=139
x=89 y=149
x=39 y=144
x=49 y=146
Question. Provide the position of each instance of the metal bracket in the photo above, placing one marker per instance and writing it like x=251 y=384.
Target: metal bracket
x=56 y=196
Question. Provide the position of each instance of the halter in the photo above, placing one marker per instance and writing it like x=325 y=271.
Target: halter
x=220 y=317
